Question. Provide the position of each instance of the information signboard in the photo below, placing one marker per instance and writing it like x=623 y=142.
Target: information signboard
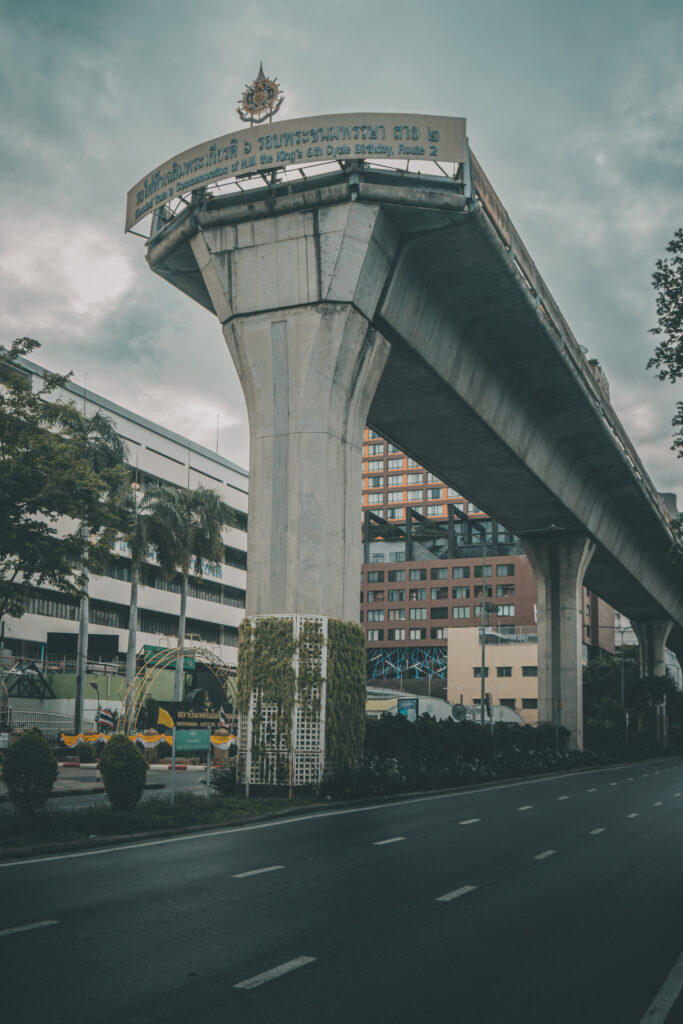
x=192 y=739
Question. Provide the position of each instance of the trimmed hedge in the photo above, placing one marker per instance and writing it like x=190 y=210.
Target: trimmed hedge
x=124 y=769
x=29 y=772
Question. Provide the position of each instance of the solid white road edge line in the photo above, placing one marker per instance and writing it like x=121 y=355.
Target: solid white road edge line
x=275 y=972
x=232 y=830
x=27 y=927
x=659 y=1008
x=259 y=871
x=546 y=853
x=385 y=842
x=462 y=891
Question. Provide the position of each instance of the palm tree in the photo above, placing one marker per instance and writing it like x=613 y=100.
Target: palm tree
x=136 y=529
x=104 y=451
x=187 y=533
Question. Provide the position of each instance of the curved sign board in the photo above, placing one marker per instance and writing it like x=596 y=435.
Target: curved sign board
x=304 y=140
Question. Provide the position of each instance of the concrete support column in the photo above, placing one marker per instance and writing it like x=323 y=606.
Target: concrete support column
x=308 y=375
x=559 y=564
x=652 y=636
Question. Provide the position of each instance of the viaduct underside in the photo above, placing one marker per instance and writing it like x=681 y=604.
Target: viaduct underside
x=409 y=304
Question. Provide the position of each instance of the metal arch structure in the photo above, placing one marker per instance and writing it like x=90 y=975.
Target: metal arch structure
x=139 y=687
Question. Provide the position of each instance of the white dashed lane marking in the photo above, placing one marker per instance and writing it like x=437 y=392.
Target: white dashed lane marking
x=27 y=927
x=563 y=798
x=658 y=803
x=634 y=815
x=259 y=871
x=592 y=790
x=462 y=891
x=469 y=821
x=546 y=853
x=275 y=972
x=385 y=842
x=526 y=807
x=596 y=832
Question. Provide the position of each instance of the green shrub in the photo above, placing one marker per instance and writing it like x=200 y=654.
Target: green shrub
x=29 y=772
x=224 y=780
x=124 y=769
x=86 y=753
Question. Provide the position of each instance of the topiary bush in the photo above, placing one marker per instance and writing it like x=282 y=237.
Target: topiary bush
x=123 y=768
x=29 y=772
x=224 y=780
x=86 y=754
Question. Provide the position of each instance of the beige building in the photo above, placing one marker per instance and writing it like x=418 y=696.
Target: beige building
x=511 y=670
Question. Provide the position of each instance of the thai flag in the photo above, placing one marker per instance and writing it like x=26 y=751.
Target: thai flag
x=106 y=719
x=223 y=721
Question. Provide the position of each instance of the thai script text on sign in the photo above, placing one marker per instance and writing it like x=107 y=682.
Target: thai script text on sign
x=300 y=141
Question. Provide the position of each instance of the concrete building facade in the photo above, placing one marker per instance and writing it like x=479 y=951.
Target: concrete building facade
x=47 y=632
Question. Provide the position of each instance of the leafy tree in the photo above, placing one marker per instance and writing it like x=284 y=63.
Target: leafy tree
x=44 y=477
x=136 y=521
x=667 y=281
x=187 y=532
x=103 y=451
x=29 y=772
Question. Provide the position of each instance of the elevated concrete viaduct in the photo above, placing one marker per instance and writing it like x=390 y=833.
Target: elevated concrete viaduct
x=411 y=302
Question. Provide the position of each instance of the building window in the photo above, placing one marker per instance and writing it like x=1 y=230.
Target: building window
x=434 y=510
x=477 y=672
x=372 y=434
x=375 y=449
x=417 y=594
x=478 y=591
x=486 y=569
x=431 y=479
x=414 y=478
x=375 y=615
x=440 y=613
x=395 y=496
x=439 y=573
x=392 y=448
x=418 y=634
x=396 y=595
x=452 y=493
x=434 y=493
x=461 y=592
x=375 y=634
x=374 y=481
x=471 y=507
x=439 y=593
x=396 y=634
x=411 y=463
x=508 y=702
x=418 y=613
x=504 y=589
x=375 y=498
x=394 y=513
x=375 y=595
x=461 y=611
x=397 y=614
x=529 y=703
x=529 y=670
x=505 y=569
x=506 y=610
x=504 y=671
x=438 y=633
x=377 y=558
x=461 y=572
x=394 y=463
x=373 y=467
x=417 y=574
x=395 y=481
x=396 y=576
x=376 y=576
x=414 y=496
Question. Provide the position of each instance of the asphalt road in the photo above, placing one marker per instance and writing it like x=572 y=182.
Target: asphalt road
x=555 y=901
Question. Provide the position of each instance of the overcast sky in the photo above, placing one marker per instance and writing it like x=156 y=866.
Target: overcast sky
x=575 y=111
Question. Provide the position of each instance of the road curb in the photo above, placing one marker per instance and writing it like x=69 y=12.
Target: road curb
x=4 y=799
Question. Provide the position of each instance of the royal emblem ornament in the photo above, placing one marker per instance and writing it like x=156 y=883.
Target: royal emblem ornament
x=260 y=100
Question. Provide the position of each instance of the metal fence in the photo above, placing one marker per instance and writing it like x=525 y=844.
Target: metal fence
x=50 y=723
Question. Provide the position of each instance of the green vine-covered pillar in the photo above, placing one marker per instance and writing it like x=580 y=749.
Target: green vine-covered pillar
x=301 y=698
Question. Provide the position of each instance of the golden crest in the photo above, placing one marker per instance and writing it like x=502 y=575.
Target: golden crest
x=260 y=100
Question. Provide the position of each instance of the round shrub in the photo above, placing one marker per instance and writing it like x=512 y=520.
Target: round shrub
x=29 y=772
x=123 y=769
